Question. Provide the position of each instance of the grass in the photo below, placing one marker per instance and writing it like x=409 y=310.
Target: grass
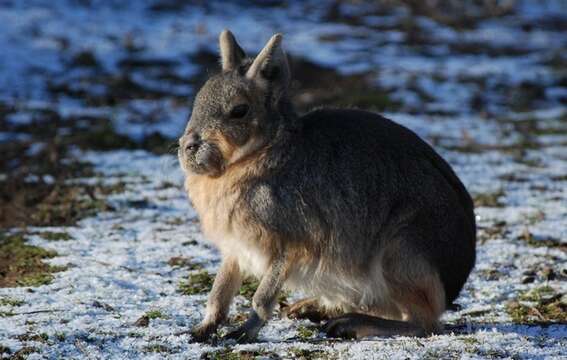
x=198 y=283
x=55 y=236
x=531 y=240
x=306 y=333
x=42 y=337
x=158 y=348
x=539 y=306
x=22 y=264
x=67 y=204
x=156 y=314
x=489 y=199
x=184 y=262
x=23 y=353
x=6 y=301
x=307 y=354
x=248 y=288
x=230 y=354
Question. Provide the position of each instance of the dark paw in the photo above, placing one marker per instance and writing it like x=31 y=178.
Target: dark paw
x=204 y=333
x=341 y=327
x=241 y=335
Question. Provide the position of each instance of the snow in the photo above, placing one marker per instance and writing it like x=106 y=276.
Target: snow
x=120 y=258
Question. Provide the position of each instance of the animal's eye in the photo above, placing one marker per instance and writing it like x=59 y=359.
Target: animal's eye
x=239 y=111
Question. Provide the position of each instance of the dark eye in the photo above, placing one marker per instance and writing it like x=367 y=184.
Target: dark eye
x=239 y=111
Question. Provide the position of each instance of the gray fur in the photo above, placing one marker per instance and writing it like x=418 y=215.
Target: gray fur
x=363 y=200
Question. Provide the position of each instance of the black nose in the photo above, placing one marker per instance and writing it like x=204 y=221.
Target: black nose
x=193 y=142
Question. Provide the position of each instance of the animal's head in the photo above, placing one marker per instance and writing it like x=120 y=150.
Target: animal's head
x=239 y=110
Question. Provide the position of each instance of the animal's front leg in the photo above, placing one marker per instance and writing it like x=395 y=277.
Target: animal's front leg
x=263 y=301
x=226 y=284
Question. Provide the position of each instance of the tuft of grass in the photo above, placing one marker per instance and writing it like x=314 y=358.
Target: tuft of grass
x=539 y=305
x=307 y=354
x=306 y=333
x=158 y=348
x=491 y=199
x=538 y=294
x=43 y=337
x=175 y=221
x=230 y=354
x=184 y=262
x=248 y=288
x=156 y=314
x=65 y=205
x=36 y=280
x=533 y=241
x=22 y=264
x=55 y=236
x=6 y=301
x=198 y=283
x=24 y=353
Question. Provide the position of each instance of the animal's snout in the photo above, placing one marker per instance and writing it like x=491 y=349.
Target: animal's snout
x=192 y=142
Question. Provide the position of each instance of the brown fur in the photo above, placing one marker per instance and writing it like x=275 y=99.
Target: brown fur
x=299 y=204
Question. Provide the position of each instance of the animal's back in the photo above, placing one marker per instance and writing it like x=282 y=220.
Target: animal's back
x=372 y=180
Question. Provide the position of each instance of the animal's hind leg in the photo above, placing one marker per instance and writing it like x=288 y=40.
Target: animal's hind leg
x=356 y=326
x=419 y=319
x=420 y=310
x=420 y=297
x=416 y=290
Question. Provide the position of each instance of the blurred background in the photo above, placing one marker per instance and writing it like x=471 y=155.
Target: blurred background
x=94 y=94
x=104 y=74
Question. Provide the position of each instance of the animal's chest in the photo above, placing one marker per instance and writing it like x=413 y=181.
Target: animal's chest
x=224 y=224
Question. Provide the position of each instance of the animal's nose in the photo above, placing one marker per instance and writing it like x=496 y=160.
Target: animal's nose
x=193 y=141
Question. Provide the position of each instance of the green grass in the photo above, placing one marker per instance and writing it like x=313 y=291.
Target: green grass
x=6 y=301
x=306 y=333
x=198 y=283
x=248 y=288
x=22 y=264
x=156 y=314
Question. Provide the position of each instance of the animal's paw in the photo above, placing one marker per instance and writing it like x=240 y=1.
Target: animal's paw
x=241 y=335
x=204 y=333
x=305 y=309
x=341 y=327
x=248 y=331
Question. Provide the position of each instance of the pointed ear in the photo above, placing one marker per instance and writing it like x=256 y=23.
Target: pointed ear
x=270 y=66
x=231 y=53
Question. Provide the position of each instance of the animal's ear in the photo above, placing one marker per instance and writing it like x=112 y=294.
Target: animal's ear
x=231 y=53
x=270 y=68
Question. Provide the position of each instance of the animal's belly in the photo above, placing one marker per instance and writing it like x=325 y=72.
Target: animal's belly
x=340 y=290
x=251 y=260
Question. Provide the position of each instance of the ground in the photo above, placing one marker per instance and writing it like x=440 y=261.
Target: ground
x=101 y=255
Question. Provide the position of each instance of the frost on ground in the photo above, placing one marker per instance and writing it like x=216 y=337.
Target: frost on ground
x=101 y=254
